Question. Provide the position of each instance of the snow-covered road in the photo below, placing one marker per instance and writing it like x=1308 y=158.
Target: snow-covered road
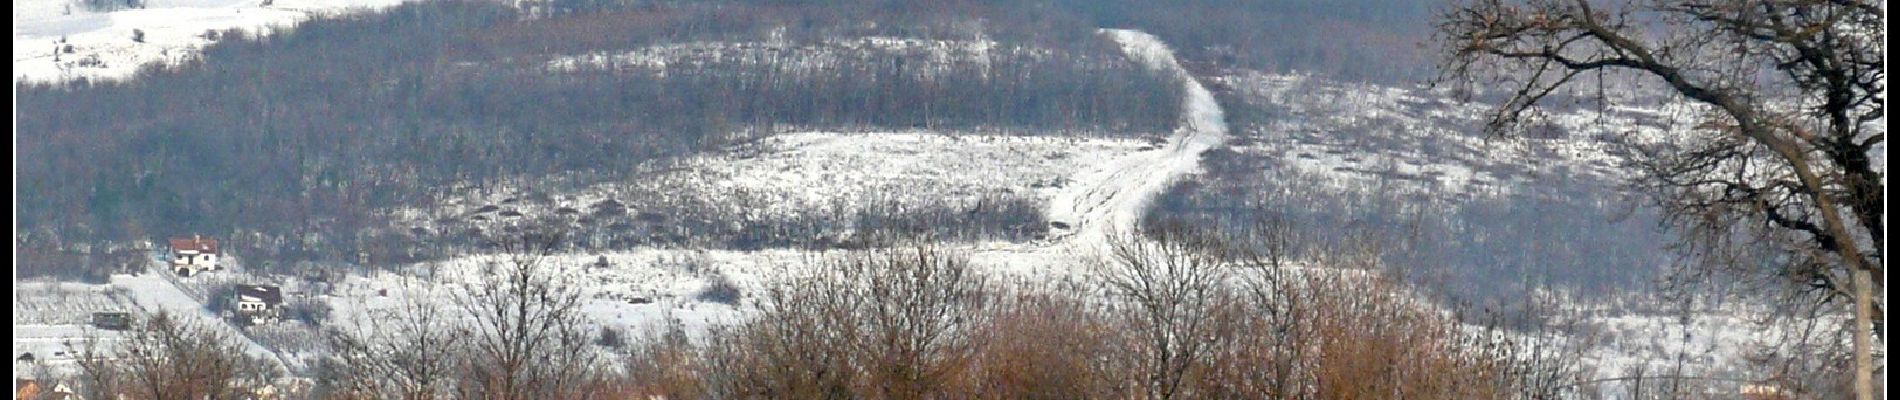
x=1109 y=200
x=153 y=292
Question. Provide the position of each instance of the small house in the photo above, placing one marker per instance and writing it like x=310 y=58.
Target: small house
x=258 y=304
x=194 y=254
x=32 y=389
x=112 y=321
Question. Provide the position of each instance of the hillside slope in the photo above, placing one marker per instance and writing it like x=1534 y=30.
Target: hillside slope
x=63 y=40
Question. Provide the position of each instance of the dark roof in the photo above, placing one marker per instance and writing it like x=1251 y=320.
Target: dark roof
x=203 y=245
x=267 y=294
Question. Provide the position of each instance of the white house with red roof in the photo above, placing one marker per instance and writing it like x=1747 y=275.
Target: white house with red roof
x=191 y=255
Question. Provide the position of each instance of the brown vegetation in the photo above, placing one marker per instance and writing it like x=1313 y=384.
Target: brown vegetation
x=1186 y=317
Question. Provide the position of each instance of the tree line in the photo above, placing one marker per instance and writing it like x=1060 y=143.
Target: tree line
x=289 y=144
x=1188 y=316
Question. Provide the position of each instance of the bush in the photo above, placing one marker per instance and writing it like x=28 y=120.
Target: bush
x=919 y=324
x=720 y=289
x=610 y=337
x=310 y=311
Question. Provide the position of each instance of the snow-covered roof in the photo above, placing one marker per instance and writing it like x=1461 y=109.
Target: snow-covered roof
x=266 y=294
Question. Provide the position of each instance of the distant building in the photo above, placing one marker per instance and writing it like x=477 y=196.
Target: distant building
x=112 y=321
x=193 y=255
x=1763 y=391
x=258 y=304
x=31 y=389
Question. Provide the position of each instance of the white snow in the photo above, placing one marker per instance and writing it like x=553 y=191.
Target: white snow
x=798 y=174
x=1356 y=137
x=1098 y=186
x=101 y=42
x=154 y=292
x=792 y=174
x=1109 y=200
x=52 y=320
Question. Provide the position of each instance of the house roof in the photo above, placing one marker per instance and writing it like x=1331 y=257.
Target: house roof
x=264 y=293
x=202 y=245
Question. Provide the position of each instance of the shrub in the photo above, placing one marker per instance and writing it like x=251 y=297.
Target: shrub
x=720 y=289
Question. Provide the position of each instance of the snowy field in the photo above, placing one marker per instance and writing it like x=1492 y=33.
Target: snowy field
x=60 y=40
x=1348 y=136
x=816 y=174
x=1097 y=186
x=51 y=319
x=1421 y=145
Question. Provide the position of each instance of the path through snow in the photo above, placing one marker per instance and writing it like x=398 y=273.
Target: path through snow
x=1109 y=200
x=154 y=292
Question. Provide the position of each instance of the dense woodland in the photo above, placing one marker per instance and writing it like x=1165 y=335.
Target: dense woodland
x=288 y=143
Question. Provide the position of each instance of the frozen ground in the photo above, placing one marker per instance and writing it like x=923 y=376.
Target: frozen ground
x=795 y=174
x=1346 y=136
x=1096 y=187
x=59 y=40
x=1110 y=199
x=1104 y=184
x=51 y=319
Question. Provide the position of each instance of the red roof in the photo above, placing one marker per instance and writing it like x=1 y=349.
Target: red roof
x=202 y=245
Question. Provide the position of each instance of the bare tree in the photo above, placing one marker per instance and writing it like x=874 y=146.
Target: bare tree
x=924 y=303
x=1043 y=342
x=1795 y=93
x=1179 y=307
x=528 y=338
x=410 y=352
x=664 y=364
x=170 y=358
x=896 y=324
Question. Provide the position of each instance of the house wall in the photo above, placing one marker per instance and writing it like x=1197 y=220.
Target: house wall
x=193 y=258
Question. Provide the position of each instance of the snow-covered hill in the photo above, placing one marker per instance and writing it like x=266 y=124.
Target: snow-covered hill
x=1545 y=214
x=60 y=40
x=1313 y=136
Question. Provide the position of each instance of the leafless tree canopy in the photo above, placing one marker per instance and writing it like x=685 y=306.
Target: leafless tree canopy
x=519 y=334
x=891 y=324
x=1179 y=305
x=408 y=353
x=1794 y=91
x=171 y=358
x=528 y=337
